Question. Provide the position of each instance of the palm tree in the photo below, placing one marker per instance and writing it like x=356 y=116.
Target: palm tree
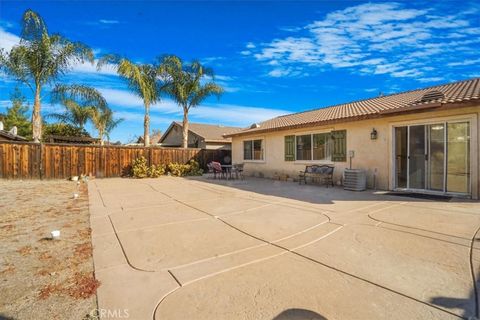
x=79 y=102
x=84 y=103
x=188 y=85
x=41 y=58
x=142 y=80
x=74 y=114
x=104 y=123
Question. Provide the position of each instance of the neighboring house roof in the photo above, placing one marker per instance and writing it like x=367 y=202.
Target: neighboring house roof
x=154 y=138
x=10 y=136
x=436 y=96
x=210 y=133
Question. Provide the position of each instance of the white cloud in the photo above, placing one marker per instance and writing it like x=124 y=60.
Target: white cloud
x=8 y=40
x=464 y=63
x=106 y=21
x=376 y=38
x=87 y=67
x=234 y=115
x=131 y=105
x=431 y=79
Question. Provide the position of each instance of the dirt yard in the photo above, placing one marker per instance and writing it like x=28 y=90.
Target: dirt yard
x=42 y=278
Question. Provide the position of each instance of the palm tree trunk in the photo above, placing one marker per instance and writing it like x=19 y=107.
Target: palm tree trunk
x=146 y=126
x=36 y=119
x=185 y=128
x=100 y=136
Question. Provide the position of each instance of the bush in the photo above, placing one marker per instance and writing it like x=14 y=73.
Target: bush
x=177 y=169
x=140 y=168
x=192 y=168
x=195 y=169
x=156 y=171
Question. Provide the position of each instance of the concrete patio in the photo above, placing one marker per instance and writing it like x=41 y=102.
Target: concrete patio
x=175 y=248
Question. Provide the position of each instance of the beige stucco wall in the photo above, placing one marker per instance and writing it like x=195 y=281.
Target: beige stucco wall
x=370 y=154
x=175 y=137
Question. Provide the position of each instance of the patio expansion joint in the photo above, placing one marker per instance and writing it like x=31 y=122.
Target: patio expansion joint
x=123 y=249
x=450 y=210
x=287 y=250
x=380 y=221
x=99 y=194
x=474 y=277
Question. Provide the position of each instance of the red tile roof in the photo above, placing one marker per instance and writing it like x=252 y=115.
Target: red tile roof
x=461 y=91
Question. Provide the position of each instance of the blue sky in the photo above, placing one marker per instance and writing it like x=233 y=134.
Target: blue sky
x=272 y=57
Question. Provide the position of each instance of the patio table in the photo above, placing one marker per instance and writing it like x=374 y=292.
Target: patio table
x=227 y=168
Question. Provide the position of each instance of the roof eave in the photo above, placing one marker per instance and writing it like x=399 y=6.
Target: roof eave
x=391 y=112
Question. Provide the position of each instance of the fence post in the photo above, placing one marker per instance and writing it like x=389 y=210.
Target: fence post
x=42 y=154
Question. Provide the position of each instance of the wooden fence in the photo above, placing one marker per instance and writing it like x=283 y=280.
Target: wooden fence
x=61 y=161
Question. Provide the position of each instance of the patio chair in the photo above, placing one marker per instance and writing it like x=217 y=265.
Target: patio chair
x=210 y=171
x=238 y=170
x=216 y=168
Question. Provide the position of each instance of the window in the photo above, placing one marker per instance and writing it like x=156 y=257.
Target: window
x=321 y=147
x=253 y=149
x=313 y=146
x=247 y=150
x=304 y=147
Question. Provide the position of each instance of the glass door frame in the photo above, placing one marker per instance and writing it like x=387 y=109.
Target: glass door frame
x=471 y=119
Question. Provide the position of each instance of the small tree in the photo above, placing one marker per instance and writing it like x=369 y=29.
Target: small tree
x=188 y=85
x=64 y=130
x=16 y=115
x=40 y=58
x=104 y=122
x=79 y=101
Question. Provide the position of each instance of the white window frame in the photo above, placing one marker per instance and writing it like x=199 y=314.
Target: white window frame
x=262 y=139
x=322 y=161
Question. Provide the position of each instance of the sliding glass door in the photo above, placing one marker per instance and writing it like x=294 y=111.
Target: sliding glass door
x=434 y=157
x=416 y=157
x=458 y=157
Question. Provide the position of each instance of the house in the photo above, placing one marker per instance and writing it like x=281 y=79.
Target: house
x=10 y=135
x=424 y=140
x=204 y=136
x=154 y=138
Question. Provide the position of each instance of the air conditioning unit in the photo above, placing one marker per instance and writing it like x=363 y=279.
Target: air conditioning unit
x=354 y=179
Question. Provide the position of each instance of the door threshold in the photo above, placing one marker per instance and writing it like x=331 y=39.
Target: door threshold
x=420 y=195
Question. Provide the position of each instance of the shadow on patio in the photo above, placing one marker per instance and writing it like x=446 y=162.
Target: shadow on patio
x=314 y=193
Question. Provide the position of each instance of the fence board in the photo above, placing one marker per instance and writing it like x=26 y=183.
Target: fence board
x=25 y=160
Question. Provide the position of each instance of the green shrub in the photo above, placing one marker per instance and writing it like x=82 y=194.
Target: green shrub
x=156 y=171
x=195 y=169
x=192 y=168
x=140 y=168
x=176 y=169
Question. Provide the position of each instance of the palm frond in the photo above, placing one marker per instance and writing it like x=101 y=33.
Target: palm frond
x=33 y=26
x=204 y=92
x=86 y=96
